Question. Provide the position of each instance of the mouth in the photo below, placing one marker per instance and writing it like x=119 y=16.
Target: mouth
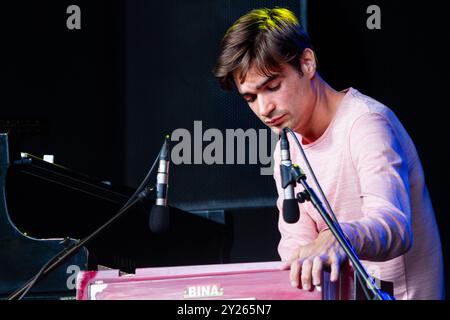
x=274 y=122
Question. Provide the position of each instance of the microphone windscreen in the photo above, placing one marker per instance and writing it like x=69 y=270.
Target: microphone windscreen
x=291 y=211
x=159 y=219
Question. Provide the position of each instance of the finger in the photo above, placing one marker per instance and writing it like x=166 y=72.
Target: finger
x=295 y=273
x=285 y=265
x=317 y=271
x=335 y=268
x=306 y=274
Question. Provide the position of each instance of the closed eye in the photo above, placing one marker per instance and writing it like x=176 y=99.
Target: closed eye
x=272 y=89
x=249 y=97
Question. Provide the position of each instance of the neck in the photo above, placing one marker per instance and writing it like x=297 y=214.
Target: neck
x=326 y=103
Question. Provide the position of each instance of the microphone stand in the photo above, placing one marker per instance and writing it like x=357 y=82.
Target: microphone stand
x=137 y=197
x=67 y=252
x=298 y=176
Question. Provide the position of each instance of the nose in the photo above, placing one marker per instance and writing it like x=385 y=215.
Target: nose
x=265 y=106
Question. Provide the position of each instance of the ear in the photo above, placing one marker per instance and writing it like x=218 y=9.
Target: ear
x=308 y=63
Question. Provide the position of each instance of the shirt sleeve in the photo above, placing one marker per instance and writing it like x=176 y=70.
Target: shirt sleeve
x=292 y=235
x=385 y=230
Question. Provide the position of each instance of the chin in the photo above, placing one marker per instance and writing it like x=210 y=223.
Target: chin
x=276 y=130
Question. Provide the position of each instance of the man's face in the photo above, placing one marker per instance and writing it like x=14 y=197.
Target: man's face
x=284 y=100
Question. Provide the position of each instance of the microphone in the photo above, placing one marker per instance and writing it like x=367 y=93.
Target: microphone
x=291 y=211
x=160 y=216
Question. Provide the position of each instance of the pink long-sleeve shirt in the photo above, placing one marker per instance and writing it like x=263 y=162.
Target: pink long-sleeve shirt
x=371 y=174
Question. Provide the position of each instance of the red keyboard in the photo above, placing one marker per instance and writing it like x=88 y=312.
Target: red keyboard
x=252 y=281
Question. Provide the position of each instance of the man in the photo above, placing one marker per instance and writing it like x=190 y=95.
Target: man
x=362 y=156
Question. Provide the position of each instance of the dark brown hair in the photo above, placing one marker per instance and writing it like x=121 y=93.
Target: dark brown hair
x=263 y=38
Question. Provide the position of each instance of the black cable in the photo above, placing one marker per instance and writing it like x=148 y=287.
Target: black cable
x=363 y=286
x=145 y=180
x=131 y=201
x=31 y=282
x=24 y=289
x=324 y=199
x=333 y=216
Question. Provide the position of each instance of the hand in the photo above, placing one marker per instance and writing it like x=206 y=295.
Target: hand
x=309 y=263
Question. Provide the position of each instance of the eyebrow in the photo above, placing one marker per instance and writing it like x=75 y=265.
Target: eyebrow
x=262 y=84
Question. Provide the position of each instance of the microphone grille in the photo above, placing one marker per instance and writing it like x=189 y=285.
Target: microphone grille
x=159 y=219
x=291 y=211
